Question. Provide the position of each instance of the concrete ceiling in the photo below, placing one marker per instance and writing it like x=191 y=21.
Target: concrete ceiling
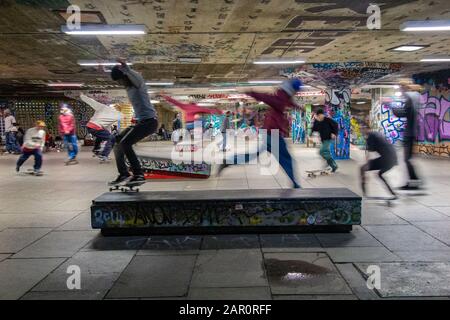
x=226 y=34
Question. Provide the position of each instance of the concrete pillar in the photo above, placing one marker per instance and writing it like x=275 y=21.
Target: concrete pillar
x=337 y=106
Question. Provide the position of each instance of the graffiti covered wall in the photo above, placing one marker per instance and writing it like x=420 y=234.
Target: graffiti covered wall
x=433 y=119
x=433 y=124
x=383 y=120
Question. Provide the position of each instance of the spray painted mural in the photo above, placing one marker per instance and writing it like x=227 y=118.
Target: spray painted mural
x=433 y=124
x=433 y=119
x=385 y=121
x=298 y=126
x=202 y=170
x=337 y=106
x=225 y=214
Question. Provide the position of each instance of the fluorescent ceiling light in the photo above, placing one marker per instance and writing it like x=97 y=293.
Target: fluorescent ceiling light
x=189 y=60
x=202 y=104
x=106 y=29
x=435 y=59
x=361 y=102
x=159 y=83
x=95 y=63
x=64 y=84
x=381 y=86
x=296 y=61
x=428 y=25
x=265 y=81
x=408 y=48
x=154 y=101
x=221 y=90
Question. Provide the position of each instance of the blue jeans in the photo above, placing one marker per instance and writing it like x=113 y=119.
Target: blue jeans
x=11 y=142
x=103 y=135
x=283 y=157
x=224 y=141
x=72 y=145
x=37 y=158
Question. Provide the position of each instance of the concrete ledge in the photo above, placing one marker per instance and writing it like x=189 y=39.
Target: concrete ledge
x=227 y=211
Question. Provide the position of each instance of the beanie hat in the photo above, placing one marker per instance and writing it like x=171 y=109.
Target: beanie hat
x=116 y=73
x=291 y=86
x=40 y=123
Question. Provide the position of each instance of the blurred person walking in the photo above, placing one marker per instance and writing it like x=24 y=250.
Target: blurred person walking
x=11 y=133
x=409 y=111
x=67 y=130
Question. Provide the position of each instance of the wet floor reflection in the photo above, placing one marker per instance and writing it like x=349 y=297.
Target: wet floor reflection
x=286 y=272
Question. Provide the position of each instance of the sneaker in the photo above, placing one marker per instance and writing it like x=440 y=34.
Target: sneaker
x=38 y=172
x=103 y=159
x=17 y=169
x=334 y=169
x=71 y=161
x=120 y=179
x=136 y=180
x=409 y=187
x=221 y=167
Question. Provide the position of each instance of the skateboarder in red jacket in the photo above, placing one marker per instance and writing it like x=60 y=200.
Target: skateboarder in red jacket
x=67 y=130
x=276 y=120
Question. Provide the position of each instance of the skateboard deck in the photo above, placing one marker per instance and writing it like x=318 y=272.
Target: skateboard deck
x=127 y=187
x=387 y=200
x=71 y=163
x=315 y=173
x=32 y=173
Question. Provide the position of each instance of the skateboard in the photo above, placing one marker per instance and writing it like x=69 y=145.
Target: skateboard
x=419 y=191
x=387 y=200
x=71 y=162
x=32 y=173
x=315 y=173
x=126 y=187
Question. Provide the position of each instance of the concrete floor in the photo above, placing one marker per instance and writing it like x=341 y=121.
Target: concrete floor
x=45 y=227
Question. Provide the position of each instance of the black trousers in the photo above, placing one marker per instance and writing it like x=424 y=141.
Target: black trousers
x=124 y=145
x=408 y=145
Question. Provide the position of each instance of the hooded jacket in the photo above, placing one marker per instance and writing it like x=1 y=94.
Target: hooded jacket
x=67 y=123
x=191 y=109
x=104 y=117
x=278 y=102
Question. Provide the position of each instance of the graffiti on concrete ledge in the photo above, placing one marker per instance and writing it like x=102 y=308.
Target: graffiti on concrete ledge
x=149 y=164
x=226 y=213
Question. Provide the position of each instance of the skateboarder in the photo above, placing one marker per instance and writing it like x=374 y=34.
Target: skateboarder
x=328 y=130
x=191 y=111
x=67 y=130
x=276 y=120
x=409 y=111
x=146 y=124
x=100 y=124
x=375 y=142
x=33 y=145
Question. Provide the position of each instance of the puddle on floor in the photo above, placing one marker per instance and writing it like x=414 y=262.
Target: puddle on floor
x=293 y=271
